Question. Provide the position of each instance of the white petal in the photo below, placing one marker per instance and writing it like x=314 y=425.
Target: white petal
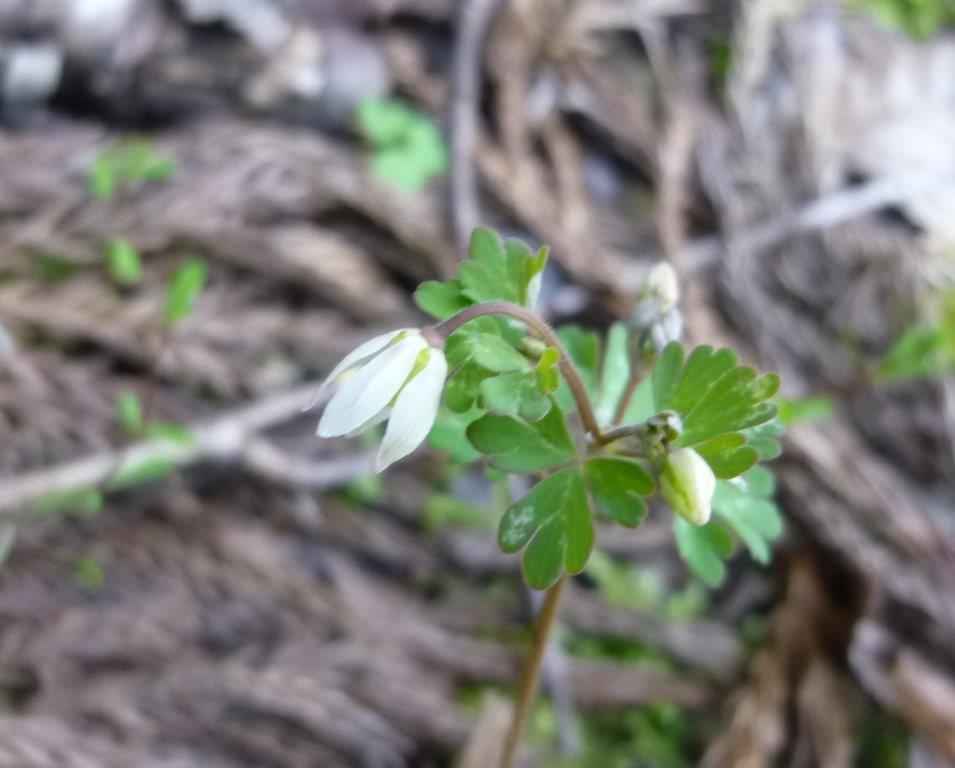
x=374 y=421
x=414 y=412
x=356 y=357
x=371 y=388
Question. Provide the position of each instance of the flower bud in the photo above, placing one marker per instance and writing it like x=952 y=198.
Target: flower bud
x=687 y=484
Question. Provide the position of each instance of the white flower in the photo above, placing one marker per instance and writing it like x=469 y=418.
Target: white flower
x=398 y=376
x=687 y=484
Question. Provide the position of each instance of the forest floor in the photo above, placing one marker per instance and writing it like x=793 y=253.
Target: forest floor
x=246 y=595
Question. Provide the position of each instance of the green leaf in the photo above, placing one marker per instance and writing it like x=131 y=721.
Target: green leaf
x=140 y=472
x=53 y=269
x=495 y=354
x=184 y=290
x=793 y=410
x=102 y=177
x=85 y=501
x=449 y=434
x=617 y=486
x=614 y=372
x=492 y=271
x=441 y=300
x=764 y=438
x=554 y=522
x=666 y=372
x=88 y=573
x=128 y=161
x=124 y=263
x=441 y=510
x=548 y=376
x=703 y=549
x=176 y=434
x=129 y=413
x=728 y=455
x=748 y=509
x=503 y=394
x=711 y=393
x=919 y=353
x=518 y=445
x=409 y=149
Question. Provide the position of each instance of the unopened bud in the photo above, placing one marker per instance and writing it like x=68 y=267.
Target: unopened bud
x=687 y=484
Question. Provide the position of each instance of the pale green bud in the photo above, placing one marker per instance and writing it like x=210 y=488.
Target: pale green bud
x=687 y=484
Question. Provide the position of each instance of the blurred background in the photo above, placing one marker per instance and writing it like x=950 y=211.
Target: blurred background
x=205 y=203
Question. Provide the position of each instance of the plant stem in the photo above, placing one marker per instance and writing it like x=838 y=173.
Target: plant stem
x=530 y=674
x=546 y=334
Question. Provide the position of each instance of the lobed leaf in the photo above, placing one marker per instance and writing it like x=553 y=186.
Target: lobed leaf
x=516 y=444
x=554 y=522
x=617 y=487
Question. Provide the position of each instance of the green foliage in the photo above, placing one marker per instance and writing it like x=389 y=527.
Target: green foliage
x=127 y=162
x=515 y=444
x=804 y=409
x=443 y=509
x=88 y=573
x=554 y=522
x=917 y=18
x=140 y=472
x=82 y=501
x=747 y=507
x=617 y=486
x=129 y=413
x=409 y=150
x=881 y=742
x=123 y=262
x=495 y=270
x=175 y=434
x=919 y=353
x=711 y=393
x=53 y=269
x=703 y=549
x=187 y=283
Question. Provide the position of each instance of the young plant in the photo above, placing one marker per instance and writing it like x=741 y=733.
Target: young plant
x=601 y=433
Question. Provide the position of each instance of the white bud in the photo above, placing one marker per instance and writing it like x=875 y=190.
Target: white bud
x=658 y=296
x=662 y=283
x=687 y=484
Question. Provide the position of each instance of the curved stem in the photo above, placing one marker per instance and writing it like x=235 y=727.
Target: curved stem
x=530 y=674
x=546 y=334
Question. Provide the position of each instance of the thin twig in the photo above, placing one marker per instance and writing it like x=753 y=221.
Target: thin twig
x=232 y=437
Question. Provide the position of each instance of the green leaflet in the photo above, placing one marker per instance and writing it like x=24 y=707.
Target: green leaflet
x=728 y=455
x=703 y=549
x=555 y=524
x=515 y=444
x=449 y=434
x=750 y=511
x=617 y=486
x=712 y=394
x=187 y=283
x=124 y=263
x=793 y=410
x=409 y=149
x=494 y=271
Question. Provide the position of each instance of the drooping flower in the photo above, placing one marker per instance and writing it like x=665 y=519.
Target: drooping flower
x=687 y=484
x=397 y=376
